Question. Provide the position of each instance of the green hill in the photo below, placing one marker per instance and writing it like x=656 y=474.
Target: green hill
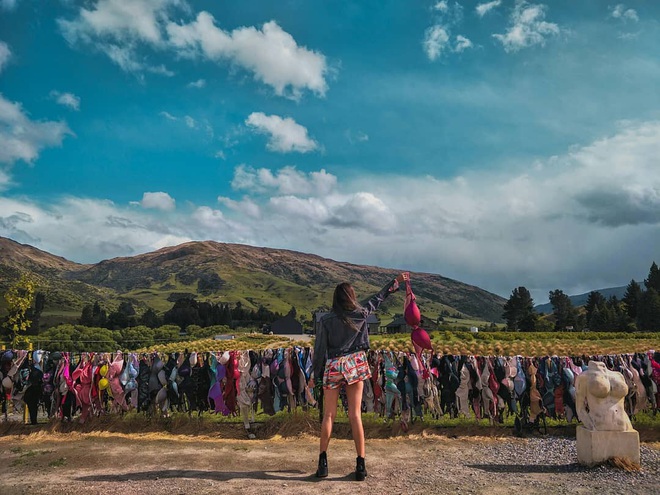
x=219 y=272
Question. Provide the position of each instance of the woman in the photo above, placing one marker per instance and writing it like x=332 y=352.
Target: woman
x=340 y=359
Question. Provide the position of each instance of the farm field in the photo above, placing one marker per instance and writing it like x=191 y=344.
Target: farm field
x=457 y=343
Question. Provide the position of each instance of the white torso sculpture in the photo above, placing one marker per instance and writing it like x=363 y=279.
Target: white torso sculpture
x=599 y=395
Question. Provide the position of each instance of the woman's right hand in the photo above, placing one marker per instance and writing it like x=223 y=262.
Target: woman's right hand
x=402 y=277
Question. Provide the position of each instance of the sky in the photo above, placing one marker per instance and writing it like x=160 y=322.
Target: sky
x=500 y=143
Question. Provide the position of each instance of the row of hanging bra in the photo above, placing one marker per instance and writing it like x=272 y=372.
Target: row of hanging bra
x=406 y=385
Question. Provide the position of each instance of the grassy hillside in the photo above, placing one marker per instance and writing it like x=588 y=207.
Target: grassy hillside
x=228 y=273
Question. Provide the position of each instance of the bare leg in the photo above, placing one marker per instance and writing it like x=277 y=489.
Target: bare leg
x=330 y=397
x=354 y=396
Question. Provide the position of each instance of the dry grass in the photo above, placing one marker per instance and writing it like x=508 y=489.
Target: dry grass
x=625 y=464
x=282 y=425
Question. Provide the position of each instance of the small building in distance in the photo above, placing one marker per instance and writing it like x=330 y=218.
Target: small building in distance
x=286 y=325
x=399 y=325
x=372 y=320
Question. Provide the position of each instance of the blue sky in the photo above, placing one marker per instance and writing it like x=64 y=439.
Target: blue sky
x=500 y=143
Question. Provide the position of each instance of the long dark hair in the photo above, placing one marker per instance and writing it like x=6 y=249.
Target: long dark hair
x=343 y=302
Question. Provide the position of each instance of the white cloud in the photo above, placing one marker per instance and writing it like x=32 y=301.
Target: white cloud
x=66 y=99
x=168 y=116
x=462 y=44
x=287 y=180
x=245 y=205
x=527 y=27
x=200 y=83
x=121 y=28
x=5 y=180
x=22 y=138
x=553 y=223
x=621 y=12
x=220 y=154
x=158 y=201
x=436 y=40
x=285 y=135
x=118 y=27
x=119 y=20
x=88 y=230
x=483 y=8
x=5 y=55
x=190 y=122
x=270 y=53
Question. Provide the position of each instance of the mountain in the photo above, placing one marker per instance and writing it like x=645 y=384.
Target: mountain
x=581 y=299
x=275 y=278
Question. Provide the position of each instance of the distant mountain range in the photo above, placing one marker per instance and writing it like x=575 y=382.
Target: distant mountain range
x=229 y=273
x=581 y=299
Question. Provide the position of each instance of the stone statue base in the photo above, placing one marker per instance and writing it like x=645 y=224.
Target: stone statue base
x=596 y=447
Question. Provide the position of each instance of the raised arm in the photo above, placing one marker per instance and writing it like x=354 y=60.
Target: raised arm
x=372 y=304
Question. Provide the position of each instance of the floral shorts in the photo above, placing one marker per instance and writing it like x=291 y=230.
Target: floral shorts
x=346 y=370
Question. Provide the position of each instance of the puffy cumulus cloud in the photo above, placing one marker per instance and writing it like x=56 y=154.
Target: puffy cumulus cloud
x=158 y=200
x=119 y=21
x=123 y=28
x=270 y=53
x=5 y=54
x=621 y=12
x=245 y=205
x=285 y=135
x=527 y=27
x=287 y=180
x=87 y=230
x=68 y=100
x=483 y=8
x=118 y=27
x=360 y=212
x=22 y=138
x=554 y=223
x=462 y=44
x=582 y=220
x=438 y=38
x=436 y=41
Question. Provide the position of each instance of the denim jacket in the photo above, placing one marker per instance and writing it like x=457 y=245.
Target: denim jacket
x=334 y=338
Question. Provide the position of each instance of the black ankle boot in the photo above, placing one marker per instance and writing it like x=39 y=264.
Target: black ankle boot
x=322 y=470
x=360 y=469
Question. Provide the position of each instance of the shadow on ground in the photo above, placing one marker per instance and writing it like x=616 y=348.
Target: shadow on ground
x=282 y=475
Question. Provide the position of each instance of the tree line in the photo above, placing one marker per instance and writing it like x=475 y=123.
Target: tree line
x=184 y=313
x=638 y=310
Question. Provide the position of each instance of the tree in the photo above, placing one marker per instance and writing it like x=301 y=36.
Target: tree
x=19 y=298
x=150 y=319
x=292 y=312
x=595 y=300
x=653 y=280
x=631 y=299
x=648 y=317
x=137 y=337
x=519 y=311
x=565 y=314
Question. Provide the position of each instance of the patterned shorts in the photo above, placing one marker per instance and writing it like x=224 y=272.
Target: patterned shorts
x=346 y=370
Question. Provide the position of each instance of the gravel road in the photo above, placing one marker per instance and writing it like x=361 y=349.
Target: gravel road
x=160 y=463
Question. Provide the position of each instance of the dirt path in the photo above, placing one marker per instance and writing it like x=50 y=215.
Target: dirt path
x=155 y=463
